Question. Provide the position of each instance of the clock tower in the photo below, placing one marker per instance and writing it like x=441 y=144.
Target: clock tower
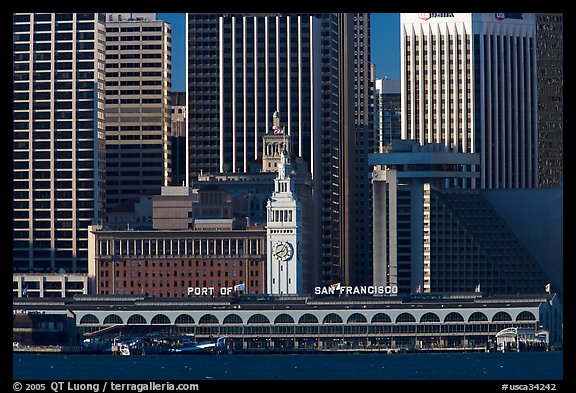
x=284 y=234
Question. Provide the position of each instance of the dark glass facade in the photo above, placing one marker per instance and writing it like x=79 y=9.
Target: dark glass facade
x=550 y=74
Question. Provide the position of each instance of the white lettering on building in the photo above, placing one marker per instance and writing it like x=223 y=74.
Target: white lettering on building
x=356 y=290
x=209 y=291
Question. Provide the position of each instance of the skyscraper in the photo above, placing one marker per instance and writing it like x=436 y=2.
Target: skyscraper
x=58 y=138
x=387 y=114
x=178 y=138
x=469 y=82
x=315 y=70
x=550 y=61
x=356 y=127
x=138 y=85
x=241 y=69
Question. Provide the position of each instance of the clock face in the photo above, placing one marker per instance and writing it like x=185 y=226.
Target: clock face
x=282 y=251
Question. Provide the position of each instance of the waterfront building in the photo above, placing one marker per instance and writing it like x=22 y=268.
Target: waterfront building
x=263 y=323
x=177 y=263
x=469 y=81
x=550 y=63
x=138 y=86
x=58 y=138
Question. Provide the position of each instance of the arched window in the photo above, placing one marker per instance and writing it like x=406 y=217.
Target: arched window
x=454 y=317
x=184 y=319
x=258 y=319
x=381 y=318
x=478 y=317
x=232 y=318
x=283 y=318
x=208 y=318
x=308 y=318
x=502 y=316
x=113 y=319
x=357 y=318
x=526 y=316
x=430 y=317
x=332 y=318
x=405 y=317
x=136 y=319
x=160 y=319
x=89 y=319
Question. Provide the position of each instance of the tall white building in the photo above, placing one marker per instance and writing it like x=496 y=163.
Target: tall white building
x=469 y=82
x=58 y=138
x=284 y=235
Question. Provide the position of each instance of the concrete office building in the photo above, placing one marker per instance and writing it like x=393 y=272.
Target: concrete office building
x=430 y=239
x=399 y=220
x=138 y=85
x=172 y=209
x=38 y=285
x=58 y=138
x=469 y=81
x=550 y=62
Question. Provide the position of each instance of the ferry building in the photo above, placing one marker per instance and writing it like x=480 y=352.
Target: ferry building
x=287 y=323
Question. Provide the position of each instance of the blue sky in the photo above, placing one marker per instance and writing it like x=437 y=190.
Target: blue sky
x=385 y=46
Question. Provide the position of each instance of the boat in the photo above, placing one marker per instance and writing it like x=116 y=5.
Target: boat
x=156 y=344
x=521 y=339
x=217 y=347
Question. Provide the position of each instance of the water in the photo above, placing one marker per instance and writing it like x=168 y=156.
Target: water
x=535 y=366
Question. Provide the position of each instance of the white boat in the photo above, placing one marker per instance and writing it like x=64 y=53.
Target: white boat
x=218 y=346
x=158 y=345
